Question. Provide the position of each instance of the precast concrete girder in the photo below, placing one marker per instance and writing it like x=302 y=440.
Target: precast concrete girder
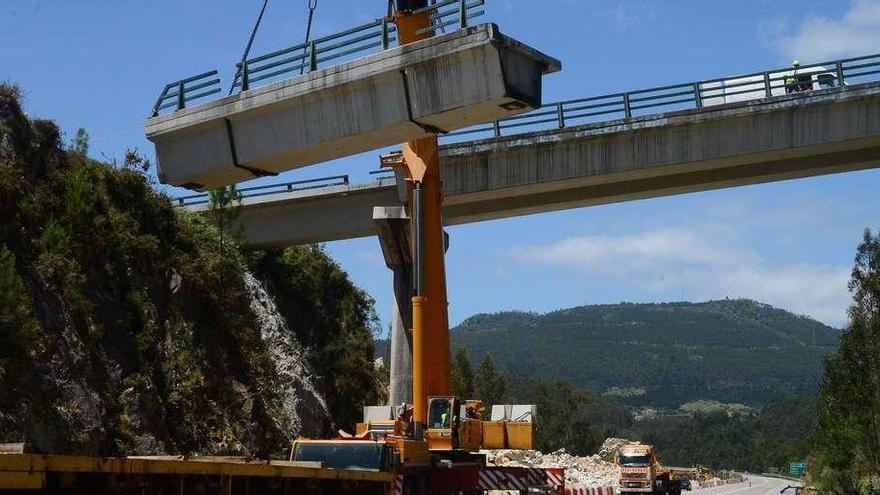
x=467 y=77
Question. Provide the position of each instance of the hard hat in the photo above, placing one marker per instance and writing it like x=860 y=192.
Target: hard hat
x=796 y=62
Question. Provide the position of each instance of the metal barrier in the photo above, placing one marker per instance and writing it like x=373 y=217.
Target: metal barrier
x=693 y=95
x=180 y=92
x=253 y=191
x=337 y=48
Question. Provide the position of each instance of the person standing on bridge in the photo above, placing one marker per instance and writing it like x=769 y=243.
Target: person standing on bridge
x=791 y=80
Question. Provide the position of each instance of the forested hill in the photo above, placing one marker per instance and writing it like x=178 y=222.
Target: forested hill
x=659 y=354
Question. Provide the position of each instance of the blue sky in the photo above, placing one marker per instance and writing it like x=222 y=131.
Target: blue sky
x=101 y=64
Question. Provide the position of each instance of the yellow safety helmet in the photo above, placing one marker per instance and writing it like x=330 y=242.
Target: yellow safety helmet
x=796 y=63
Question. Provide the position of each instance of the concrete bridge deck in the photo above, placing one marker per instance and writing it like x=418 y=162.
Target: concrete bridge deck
x=778 y=138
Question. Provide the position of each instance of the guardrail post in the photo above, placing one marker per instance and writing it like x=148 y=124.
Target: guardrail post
x=840 y=80
x=496 y=127
x=181 y=98
x=462 y=13
x=627 y=112
x=345 y=179
x=698 y=96
x=384 y=34
x=768 y=91
x=245 y=78
x=313 y=57
x=560 y=114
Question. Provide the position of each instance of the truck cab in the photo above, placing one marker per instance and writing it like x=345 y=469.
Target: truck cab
x=641 y=472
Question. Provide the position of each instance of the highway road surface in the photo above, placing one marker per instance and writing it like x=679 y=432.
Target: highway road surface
x=760 y=485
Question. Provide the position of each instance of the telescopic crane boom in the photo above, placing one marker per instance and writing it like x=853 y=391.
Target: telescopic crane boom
x=431 y=359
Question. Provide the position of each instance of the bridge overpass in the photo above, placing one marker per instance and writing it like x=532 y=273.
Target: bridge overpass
x=704 y=135
x=712 y=146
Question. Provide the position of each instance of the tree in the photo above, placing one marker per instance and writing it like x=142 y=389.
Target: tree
x=81 y=142
x=225 y=206
x=848 y=429
x=562 y=417
x=462 y=375
x=490 y=385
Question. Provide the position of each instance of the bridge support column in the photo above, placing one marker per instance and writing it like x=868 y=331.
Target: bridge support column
x=392 y=226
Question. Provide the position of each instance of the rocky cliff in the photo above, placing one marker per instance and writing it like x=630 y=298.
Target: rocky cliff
x=127 y=327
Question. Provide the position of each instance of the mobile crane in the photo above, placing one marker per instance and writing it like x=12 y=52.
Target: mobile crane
x=437 y=431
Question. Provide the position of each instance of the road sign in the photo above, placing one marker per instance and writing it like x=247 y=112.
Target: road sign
x=797 y=468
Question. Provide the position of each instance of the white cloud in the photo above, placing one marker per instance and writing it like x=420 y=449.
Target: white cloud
x=856 y=32
x=672 y=261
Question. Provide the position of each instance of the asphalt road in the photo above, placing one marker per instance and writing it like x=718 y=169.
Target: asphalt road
x=760 y=485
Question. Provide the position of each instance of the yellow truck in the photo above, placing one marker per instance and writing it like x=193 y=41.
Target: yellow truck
x=641 y=471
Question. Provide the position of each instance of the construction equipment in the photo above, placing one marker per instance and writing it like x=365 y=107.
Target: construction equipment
x=641 y=471
x=438 y=431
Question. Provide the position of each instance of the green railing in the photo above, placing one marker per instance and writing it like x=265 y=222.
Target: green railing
x=178 y=93
x=284 y=187
x=323 y=52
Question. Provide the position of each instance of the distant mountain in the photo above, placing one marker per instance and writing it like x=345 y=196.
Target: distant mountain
x=662 y=355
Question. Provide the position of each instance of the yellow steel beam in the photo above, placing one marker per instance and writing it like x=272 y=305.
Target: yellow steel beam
x=41 y=464
x=12 y=480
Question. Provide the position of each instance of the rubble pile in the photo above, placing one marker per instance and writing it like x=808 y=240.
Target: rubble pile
x=579 y=471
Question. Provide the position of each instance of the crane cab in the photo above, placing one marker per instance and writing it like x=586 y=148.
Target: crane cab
x=453 y=427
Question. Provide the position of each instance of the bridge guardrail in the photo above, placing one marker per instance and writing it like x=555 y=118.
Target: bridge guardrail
x=253 y=191
x=337 y=47
x=178 y=93
x=692 y=95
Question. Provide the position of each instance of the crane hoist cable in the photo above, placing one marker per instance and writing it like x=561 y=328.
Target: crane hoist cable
x=313 y=4
x=247 y=48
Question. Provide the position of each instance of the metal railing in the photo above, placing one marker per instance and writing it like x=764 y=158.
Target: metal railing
x=336 y=48
x=253 y=191
x=692 y=95
x=181 y=92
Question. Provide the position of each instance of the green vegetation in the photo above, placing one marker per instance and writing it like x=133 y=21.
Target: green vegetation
x=127 y=326
x=490 y=384
x=660 y=355
x=462 y=375
x=777 y=434
x=847 y=438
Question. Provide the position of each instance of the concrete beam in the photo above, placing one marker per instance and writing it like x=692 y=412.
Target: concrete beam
x=448 y=82
x=312 y=216
x=794 y=136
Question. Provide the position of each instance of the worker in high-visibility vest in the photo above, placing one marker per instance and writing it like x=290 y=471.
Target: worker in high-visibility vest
x=791 y=80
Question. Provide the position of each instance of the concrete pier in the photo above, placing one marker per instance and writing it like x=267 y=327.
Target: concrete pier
x=448 y=82
x=392 y=226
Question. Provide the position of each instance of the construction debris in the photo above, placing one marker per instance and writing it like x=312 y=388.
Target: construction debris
x=579 y=471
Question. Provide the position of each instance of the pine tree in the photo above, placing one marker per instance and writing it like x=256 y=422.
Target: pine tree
x=848 y=430
x=462 y=375
x=490 y=384
x=225 y=206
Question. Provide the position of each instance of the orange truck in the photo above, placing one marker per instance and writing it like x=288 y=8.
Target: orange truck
x=641 y=471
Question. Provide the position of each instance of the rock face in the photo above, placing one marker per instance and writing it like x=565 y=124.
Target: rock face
x=302 y=409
